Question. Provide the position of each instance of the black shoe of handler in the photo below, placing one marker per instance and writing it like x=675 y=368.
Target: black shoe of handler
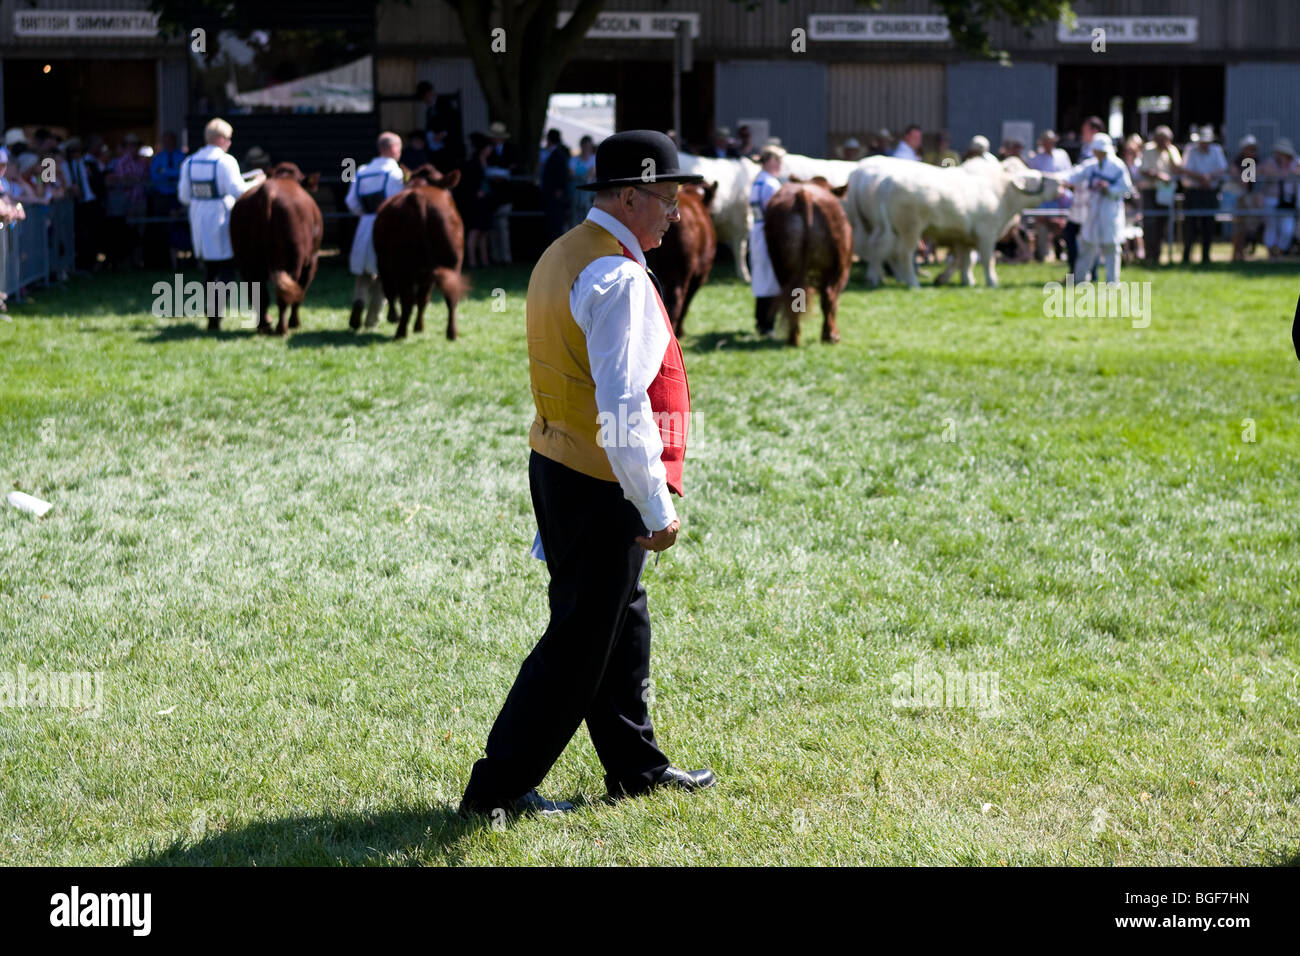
x=354 y=322
x=531 y=802
x=671 y=777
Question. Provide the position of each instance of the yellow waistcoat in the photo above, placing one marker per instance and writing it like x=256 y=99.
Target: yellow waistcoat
x=567 y=423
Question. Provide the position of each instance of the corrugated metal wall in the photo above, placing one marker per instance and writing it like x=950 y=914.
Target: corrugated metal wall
x=867 y=96
x=398 y=76
x=982 y=95
x=792 y=96
x=173 y=95
x=1263 y=99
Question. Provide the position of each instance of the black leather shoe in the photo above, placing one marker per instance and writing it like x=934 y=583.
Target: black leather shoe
x=673 y=777
x=530 y=802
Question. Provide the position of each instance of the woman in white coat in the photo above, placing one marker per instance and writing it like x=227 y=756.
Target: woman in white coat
x=1105 y=182
x=762 y=277
x=209 y=184
x=373 y=183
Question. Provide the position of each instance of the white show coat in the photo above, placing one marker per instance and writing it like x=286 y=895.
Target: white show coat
x=381 y=176
x=762 y=276
x=209 y=185
x=1103 y=222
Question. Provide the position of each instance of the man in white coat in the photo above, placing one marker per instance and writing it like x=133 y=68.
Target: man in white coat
x=762 y=276
x=209 y=184
x=1104 y=181
x=374 y=182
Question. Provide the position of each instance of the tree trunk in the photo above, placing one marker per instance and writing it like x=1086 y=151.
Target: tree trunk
x=518 y=81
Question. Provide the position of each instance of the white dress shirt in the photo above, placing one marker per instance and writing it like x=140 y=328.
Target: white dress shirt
x=210 y=218
x=615 y=305
x=904 y=150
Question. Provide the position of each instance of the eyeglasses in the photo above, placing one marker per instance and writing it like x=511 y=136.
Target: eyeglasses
x=671 y=203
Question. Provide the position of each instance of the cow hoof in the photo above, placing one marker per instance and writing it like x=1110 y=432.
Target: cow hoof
x=295 y=323
x=451 y=335
x=265 y=328
x=399 y=334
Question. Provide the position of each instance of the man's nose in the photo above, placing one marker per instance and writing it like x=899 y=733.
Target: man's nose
x=675 y=214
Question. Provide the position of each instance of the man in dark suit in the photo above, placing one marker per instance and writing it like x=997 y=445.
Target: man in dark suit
x=556 y=198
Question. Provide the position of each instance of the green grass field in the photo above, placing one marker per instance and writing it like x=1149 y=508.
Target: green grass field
x=302 y=570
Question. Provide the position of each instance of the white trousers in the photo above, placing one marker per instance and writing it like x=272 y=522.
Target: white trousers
x=1089 y=252
x=1278 y=232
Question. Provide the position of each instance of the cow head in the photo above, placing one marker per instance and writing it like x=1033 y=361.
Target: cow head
x=427 y=175
x=287 y=171
x=706 y=191
x=1033 y=183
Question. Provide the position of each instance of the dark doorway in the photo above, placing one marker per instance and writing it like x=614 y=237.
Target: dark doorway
x=1197 y=93
x=644 y=93
x=78 y=97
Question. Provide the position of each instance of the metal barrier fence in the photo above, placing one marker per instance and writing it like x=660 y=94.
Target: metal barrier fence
x=41 y=245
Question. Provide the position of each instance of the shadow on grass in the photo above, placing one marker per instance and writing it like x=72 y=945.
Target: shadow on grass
x=188 y=331
x=403 y=834
x=734 y=341
x=336 y=338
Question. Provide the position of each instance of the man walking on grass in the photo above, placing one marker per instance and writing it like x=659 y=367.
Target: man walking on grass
x=608 y=442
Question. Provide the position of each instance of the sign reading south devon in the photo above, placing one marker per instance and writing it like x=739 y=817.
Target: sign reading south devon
x=1131 y=30
x=879 y=28
x=85 y=23
x=628 y=25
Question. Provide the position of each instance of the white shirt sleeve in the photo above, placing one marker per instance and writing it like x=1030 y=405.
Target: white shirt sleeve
x=351 y=200
x=183 y=184
x=613 y=303
x=229 y=180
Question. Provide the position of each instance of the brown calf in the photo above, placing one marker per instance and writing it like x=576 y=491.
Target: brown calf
x=811 y=245
x=683 y=260
x=275 y=233
x=419 y=242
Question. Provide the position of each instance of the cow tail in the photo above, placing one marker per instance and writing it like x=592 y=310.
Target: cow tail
x=285 y=256
x=285 y=285
x=454 y=285
x=805 y=201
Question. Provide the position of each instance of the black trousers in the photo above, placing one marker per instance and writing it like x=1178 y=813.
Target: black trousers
x=1199 y=227
x=593 y=661
x=217 y=270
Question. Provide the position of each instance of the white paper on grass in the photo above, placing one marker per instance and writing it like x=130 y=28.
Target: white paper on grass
x=25 y=502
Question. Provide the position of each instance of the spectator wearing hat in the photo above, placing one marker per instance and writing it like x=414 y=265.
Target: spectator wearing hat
x=608 y=446
x=1157 y=167
x=1203 y=170
x=1243 y=193
x=1279 y=178
x=1103 y=181
x=979 y=149
x=502 y=165
x=209 y=185
x=850 y=150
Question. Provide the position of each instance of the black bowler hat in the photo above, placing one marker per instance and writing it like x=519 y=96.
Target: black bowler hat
x=637 y=156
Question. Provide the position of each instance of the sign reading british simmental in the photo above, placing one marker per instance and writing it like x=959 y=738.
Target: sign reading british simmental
x=85 y=23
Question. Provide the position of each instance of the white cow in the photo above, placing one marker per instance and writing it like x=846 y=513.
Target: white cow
x=834 y=171
x=732 y=217
x=892 y=203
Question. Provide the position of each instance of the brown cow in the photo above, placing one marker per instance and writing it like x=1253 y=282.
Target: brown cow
x=275 y=232
x=419 y=242
x=809 y=240
x=683 y=260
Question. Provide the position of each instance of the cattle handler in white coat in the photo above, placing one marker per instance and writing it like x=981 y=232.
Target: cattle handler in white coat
x=374 y=182
x=1104 y=181
x=762 y=276
x=209 y=184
